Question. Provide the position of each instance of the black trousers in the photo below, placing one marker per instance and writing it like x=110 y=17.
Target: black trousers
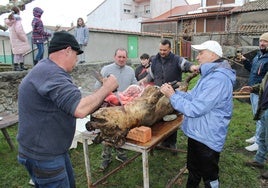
x=202 y=163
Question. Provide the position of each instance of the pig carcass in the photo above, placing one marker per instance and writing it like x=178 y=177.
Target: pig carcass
x=115 y=122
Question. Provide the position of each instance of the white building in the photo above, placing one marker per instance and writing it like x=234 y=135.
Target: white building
x=127 y=15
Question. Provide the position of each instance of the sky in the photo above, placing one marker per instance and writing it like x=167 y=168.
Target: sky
x=56 y=12
x=59 y=12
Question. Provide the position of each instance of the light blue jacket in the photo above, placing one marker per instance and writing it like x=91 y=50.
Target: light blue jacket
x=207 y=108
x=82 y=35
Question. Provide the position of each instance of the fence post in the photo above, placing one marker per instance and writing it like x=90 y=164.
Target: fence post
x=3 y=44
x=32 y=50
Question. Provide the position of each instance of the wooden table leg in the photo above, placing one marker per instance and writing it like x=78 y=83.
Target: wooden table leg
x=8 y=139
x=87 y=161
x=145 y=169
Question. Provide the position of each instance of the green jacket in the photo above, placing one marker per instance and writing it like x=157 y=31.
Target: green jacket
x=259 y=88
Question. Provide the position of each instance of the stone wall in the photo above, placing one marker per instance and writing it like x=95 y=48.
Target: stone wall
x=9 y=82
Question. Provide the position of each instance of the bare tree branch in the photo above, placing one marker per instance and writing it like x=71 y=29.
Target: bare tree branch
x=21 y=4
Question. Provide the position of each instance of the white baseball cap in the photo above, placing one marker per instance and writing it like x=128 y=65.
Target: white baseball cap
x=210 y=45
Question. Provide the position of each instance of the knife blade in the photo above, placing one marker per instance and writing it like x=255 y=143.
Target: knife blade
x=99 y=77
x=120 y=101
x=96 y=74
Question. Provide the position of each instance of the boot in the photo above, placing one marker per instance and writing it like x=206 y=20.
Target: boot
x=22 y=66
x=35 y=62
x=16 y=67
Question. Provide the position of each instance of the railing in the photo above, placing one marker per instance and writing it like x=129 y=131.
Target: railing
x=6 y=56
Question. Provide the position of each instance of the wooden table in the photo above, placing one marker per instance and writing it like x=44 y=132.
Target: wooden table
x=160 y=131
x=6 y=121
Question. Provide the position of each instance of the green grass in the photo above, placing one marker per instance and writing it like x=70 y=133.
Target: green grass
x=163 y=166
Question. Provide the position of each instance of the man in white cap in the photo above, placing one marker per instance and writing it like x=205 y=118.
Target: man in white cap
x=257 y=68
x=207 y=110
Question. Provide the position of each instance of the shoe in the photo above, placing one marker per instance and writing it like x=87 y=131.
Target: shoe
x=253 y=147
x=251 y=140
x=31 y=182
x=22 y=67
x=254 y=164
x=80 y=62
x=265 y=175
x=16 y=67
x=105 y=164
x=121 y=158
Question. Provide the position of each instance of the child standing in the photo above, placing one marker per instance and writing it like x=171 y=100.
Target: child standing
x=39 y=35
x=81 y=34
x=142 y=70
x=18 y=39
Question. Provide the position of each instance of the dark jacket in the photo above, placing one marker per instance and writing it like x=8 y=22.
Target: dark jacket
x=140 y=72
x=262 y=89
x=258 y=68
x=169 y=69
x=38 y=35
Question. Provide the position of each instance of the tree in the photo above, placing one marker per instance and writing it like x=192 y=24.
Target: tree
x=6 y=8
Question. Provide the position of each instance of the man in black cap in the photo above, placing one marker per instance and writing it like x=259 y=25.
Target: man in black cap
x=49 y=104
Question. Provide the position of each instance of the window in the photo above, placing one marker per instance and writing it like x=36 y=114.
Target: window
x=147 y=9
x=215 y=24
x=218 y=2
x=127 y=9
x=255 y=42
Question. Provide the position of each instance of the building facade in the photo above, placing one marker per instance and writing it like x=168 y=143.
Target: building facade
x=127 y=15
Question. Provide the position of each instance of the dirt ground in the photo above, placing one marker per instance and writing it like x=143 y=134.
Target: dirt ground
x=264 y=183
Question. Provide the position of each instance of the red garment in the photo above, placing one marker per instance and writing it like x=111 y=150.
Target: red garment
x=126 y=96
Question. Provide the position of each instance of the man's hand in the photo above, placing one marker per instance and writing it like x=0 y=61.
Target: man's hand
x=110 y=83
x=194 y=68
x=248 y=89
x=167 y=90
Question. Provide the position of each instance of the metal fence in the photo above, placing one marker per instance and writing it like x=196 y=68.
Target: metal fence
x=6 y=56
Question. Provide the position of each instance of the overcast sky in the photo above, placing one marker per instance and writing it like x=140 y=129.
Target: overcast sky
x=59 y=12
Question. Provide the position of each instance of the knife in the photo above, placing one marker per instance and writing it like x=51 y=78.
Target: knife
x=96 y=74
x=99 y=77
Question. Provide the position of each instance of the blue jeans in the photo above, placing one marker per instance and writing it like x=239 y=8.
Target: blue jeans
x=82 y=56
x=40 y=52
x=254 y=98
x=57 y=172
x=263 y=139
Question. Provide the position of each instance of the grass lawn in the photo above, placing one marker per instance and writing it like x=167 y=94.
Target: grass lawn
x=163 y=165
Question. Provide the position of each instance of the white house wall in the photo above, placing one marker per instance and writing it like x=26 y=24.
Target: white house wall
x=106 y=16
x=110 y=15
x=102 y=45
x=236 y=3
x=159 y=7
x=131 y=25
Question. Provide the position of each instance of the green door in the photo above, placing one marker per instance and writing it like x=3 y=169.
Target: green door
x=132 y=46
